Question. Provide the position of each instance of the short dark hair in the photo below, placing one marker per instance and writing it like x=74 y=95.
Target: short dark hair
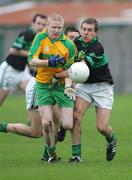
x=39 y=15
x=70 y=28
x=91 y=20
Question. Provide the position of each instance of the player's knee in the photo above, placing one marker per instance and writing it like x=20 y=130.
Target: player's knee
x=102 y=129
x=56 y=121
x=77 y=118
x=35 y=134
x=46 y=125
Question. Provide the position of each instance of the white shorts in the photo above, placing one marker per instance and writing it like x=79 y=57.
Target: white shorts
x=10 y=78
x=31 y=102
x=98 y=94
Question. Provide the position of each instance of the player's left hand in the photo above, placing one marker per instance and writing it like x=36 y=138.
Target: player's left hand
x=56 y=61
x=81 y=55
x=70 y=92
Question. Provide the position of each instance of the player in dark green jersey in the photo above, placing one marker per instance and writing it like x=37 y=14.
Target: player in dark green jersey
x=97 y=90
x=14 y=71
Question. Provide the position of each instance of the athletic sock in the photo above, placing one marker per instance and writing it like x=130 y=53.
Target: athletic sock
x=46 y=151
x=52 y=151
x=110 y=139
x=3 y=127
x=76 y=150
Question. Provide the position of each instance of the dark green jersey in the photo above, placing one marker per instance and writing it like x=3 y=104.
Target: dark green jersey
x=23 y=42
x=96 y=60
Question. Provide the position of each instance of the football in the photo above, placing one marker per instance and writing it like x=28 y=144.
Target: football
x=78 y=72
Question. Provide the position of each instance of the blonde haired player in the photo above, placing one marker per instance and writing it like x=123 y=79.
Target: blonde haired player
x=51 y=45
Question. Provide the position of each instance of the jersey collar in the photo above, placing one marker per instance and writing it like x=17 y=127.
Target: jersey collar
x=90 y=43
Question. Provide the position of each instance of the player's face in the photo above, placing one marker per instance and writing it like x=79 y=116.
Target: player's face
x=73 y=35
x=88 y=32
x=39 y=24
x=55 y=29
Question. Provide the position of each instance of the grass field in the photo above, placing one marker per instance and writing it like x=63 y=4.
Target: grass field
x=20 y=156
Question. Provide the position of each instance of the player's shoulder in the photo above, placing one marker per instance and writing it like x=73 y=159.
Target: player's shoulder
x=78 y=41
x=28 y=34
x=98 y=47
x=25 y=31
x=68 y=41
x=42 y=35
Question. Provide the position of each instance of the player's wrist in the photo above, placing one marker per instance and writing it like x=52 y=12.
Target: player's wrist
x=66 y=87
x=56 y=77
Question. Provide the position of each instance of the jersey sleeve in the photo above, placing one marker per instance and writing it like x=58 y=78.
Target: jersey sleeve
x=96 y=58
x=35 y=49
x=19 y=41
x=71 y=56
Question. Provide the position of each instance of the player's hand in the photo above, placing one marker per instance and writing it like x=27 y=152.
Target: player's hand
x=56 y=61
x=81 y=55
x=70 y=92
x=55 y=81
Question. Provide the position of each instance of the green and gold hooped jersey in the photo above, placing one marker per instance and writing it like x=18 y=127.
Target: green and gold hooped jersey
x=44 y=48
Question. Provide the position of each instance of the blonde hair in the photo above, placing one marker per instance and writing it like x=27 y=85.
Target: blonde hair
x=55 y=17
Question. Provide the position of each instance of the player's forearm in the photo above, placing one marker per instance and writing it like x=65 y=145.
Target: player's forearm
x=23 y=53
x=13 y=51
x=38 y=62
x=17 y=52
x=62 y=74
x=68 y=82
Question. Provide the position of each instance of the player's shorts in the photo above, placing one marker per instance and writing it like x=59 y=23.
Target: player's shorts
x=50 y=96
x=98 y=94
x=10 y=77
x=31 y=102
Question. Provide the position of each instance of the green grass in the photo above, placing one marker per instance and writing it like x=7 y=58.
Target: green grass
x=20 y=156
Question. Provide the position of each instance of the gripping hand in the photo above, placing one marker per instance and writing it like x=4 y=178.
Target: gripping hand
x=70 y=92
x=55 y=81
x=56 y=61
x=81 y=55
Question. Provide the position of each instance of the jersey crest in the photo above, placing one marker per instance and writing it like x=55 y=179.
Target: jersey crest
x=46 y=49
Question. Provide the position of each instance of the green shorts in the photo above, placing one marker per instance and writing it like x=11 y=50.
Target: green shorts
x=50 y=96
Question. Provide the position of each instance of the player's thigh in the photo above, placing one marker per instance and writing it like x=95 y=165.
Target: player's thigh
x=26 y=76
x=56 y=113
x=36 y=124
x=35 y=119
x=83 y=99
x=56 y=118
x=46 y=114
x=81 y=105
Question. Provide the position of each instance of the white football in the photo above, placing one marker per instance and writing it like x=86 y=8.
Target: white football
x=78 y=72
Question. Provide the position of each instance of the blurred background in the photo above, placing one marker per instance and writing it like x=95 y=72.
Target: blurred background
x=115 y=20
